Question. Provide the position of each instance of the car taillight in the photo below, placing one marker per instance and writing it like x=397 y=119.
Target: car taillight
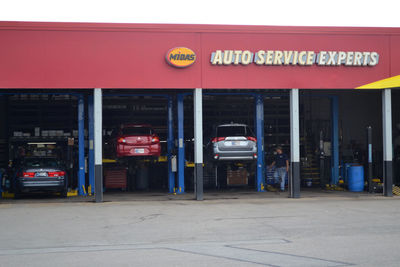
x=251 y=138
x=121 y=140
x=56 y=174
x=28 y=174
x=155 y=139
x=217 y=139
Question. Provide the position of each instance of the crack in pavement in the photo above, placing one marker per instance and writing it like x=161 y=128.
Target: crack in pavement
x=232 y=250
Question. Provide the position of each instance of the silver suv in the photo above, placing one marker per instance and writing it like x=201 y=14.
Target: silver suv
x=234 y=142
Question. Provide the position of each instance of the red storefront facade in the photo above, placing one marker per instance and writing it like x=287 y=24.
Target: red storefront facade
x=79 y=55
x=74 y=56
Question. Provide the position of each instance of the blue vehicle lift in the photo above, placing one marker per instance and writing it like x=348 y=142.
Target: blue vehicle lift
x=334 y=136
x=170 y=145
x=259 y=121
x=91 y=144
x=335 y=139
x=259 y=125
x=81 y=142
x=170 y=134
x=181 y=144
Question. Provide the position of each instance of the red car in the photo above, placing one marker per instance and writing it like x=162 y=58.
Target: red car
x=134 y=140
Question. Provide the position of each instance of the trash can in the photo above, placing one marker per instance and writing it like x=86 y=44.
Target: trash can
x=356 y=178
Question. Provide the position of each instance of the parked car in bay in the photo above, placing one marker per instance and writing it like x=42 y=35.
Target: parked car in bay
x=40 y=174
x=136 y=140
x=234 y=142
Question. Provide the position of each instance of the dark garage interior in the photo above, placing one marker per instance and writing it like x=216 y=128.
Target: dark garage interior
x=45 y=124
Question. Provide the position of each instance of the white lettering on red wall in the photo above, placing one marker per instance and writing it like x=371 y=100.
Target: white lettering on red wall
x=300 y=58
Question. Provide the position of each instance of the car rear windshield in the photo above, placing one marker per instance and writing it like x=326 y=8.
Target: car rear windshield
x=224 y=131
x=40 y=162
x=137 y=131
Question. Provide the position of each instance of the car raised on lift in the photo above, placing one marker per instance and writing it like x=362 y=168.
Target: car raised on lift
x=136 y=140
x=234 y=142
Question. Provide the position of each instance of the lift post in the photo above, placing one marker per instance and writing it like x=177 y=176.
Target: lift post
x=170 y=145
x=181 y=145
x=369 y=149
x=81 y=144
x=91 y=144
x=335 y=139
x=259 y=123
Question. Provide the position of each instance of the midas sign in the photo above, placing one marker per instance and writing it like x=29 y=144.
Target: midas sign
x=180 y=57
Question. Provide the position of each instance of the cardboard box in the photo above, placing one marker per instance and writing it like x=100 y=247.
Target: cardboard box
x=238 y=177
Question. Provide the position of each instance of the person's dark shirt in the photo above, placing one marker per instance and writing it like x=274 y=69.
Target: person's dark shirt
x=280 y=160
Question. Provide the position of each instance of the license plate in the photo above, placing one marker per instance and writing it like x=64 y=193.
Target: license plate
x=41 y=174
x=235 y=143
x=139 y=150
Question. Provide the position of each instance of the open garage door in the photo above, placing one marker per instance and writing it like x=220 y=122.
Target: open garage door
x=42 y=148
x=342 y=140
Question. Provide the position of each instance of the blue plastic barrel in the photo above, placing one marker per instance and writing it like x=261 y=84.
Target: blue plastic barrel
x=356 y=178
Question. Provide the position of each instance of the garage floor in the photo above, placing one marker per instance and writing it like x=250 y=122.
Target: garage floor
x=260 y=230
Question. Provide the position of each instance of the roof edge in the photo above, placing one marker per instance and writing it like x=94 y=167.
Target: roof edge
x=93 y=26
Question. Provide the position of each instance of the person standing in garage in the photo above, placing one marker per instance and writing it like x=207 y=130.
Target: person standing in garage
x=281 y=164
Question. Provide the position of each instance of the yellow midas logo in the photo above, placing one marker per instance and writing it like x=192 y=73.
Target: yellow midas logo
x=180 y=57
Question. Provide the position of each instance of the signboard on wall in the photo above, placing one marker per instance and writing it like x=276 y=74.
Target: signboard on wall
x=135 y=56
x=294 y=58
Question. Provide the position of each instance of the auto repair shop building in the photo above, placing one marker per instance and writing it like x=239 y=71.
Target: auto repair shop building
x=312 y=90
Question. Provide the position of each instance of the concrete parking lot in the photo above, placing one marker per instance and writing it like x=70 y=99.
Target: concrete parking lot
x=319 y=230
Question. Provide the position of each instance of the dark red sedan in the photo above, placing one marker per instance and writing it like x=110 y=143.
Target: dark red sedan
x=134 y=140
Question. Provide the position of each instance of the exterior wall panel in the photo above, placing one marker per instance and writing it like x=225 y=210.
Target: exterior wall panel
x=82 y=55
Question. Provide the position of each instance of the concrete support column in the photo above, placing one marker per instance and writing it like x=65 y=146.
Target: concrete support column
x=98 y=144
x=170 y=145
x=198 y=142
x=91 y=145
x=294 y=177
x=181 y=146
x=259 y=123
x=387 y=143
x=81 y=145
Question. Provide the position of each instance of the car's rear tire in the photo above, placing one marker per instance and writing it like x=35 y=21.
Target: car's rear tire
x=17 y=195
x=64 y=193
